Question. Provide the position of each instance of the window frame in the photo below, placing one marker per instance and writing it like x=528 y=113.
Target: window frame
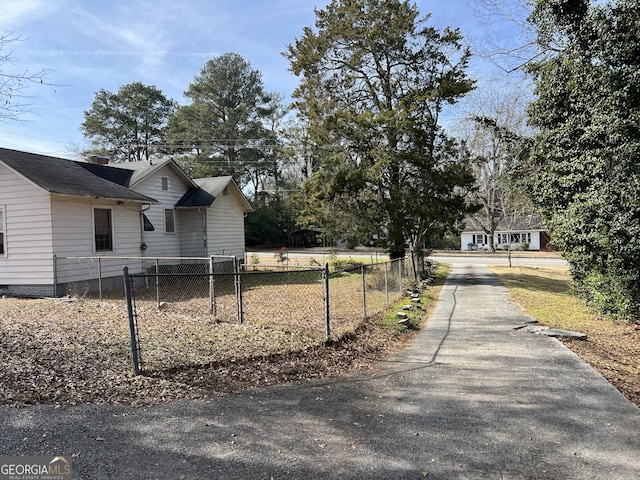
x=94 y=232
x=173 y=221
x=164 y=184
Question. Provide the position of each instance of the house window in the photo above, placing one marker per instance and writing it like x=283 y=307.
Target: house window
x=225 y=192
x=479 y=239
x=165 y=183
x=2 y=247
x=169 y=220
x=504 y=238
x=103 y=229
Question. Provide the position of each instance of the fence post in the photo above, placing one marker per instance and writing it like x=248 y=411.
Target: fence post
x=400 y=274
x=238 y=282
x=55 y=276
x=100 y=279
x=386 y=284
x=212 y=296
x=325 y=278
x=132 y=323
x=157 y=283
x=364 y=295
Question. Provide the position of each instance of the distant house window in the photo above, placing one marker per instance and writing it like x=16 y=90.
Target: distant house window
x=2 y=247
x=103 y=229
x=165 y=183
x=225 y=192
x=169 y=220
x=514 y=238
x=479 y=239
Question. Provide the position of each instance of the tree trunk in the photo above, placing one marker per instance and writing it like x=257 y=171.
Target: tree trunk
x=396 y=241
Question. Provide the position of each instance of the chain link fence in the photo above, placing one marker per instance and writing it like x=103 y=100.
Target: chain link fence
x=101 y=277
x=180 y=318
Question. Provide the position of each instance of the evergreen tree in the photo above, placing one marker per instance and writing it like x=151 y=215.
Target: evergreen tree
x=128 y=125
x=374 y=80
x=223 y=131
x=587 y=150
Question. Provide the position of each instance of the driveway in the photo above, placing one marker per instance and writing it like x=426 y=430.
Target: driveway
x=470 y=398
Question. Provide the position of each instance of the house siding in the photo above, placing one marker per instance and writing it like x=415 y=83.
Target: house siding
x=225 y=225
x=160 y=244
x=466 y=238
x=74 y=238
x=43 y=230
x=192 y=234
x=28 y=260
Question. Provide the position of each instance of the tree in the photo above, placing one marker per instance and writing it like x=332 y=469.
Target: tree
x=128 y=125
x=499 y=147
x=374 y=80
x=587 y=173
x=12 y=84
x=224 y=129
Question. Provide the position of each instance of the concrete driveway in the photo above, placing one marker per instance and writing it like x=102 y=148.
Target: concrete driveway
x=470 y=398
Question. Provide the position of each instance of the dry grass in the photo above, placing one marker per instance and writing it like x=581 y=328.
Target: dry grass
x=612 y=348
x=68 y=352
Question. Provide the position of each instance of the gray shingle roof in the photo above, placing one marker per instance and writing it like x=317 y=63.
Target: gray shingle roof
x=68 y=177
x=195 y=197
x=523 y=223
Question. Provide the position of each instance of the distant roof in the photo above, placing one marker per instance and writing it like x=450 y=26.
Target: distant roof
x=68 y=177
x=525 y=222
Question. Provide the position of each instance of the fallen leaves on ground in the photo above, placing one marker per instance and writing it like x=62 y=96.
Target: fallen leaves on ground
x=69 y=352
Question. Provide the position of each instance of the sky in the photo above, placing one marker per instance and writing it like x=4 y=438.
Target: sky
x=86 y=45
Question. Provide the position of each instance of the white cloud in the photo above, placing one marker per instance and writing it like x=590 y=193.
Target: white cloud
x=14 y=12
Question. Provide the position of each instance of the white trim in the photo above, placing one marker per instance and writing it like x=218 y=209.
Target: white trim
x=93 y=228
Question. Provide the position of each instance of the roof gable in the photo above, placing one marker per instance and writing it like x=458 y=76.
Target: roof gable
x=140 y=171
x=67 y=177
x=215 y=186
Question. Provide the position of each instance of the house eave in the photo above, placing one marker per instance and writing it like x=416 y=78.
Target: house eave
x=147 y=201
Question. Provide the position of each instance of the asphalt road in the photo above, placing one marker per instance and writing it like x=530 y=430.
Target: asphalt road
x=455 y=258
x=470 y=398
x=517 y=258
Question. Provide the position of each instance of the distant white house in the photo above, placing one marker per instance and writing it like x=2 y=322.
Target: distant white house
x=52 y=207
x=521 y=233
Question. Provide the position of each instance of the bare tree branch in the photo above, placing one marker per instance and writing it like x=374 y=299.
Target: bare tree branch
x=13 y=84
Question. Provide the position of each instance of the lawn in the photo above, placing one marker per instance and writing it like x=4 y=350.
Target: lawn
x=612 y=348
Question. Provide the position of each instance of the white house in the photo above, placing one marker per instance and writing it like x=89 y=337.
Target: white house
x=524 y=233
x=52 y=207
